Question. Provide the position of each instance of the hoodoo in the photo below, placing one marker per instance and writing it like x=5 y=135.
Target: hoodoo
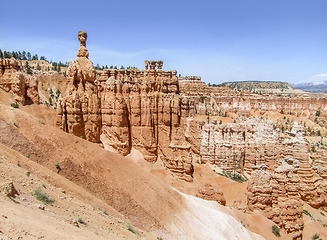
x=79 y=109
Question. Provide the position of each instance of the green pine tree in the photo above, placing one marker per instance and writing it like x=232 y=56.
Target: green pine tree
x=24 y=55
x=6 y=54
x=27 y=68
x=19 y=55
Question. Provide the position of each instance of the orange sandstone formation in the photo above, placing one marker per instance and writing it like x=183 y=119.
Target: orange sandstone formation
x=79 y=109
x=276 y=195
x=194 y=80
x=208 y=192
x=140 y=109
x=143 y=109
x=243 y=144
x=279 y=193
x=222 y=100
x=12 y=79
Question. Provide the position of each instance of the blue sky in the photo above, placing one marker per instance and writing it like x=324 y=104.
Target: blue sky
x=220 y=41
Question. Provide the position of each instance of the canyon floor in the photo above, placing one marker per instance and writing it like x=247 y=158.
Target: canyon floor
x=97 y=194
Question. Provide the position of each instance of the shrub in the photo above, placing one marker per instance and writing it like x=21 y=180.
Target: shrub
x=28 y=174
x=276 y=230
x=130 y=228
x=80 y=220
x=42 y=197
x=237 y=177
x=315 y=237
x=14 y=105
x=307 y=213
x=58 y=167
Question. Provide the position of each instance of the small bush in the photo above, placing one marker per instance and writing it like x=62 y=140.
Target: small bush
x=28 y=174
x=42 y=197
x=237 y=177
x=80 y=220
x=58 y=167
x=276 y=230
x=322 y=213
x=315 y=237
x=307 y=213
x=14 y=105
x=131 y=229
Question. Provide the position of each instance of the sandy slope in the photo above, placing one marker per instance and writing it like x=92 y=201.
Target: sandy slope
x=24 y=216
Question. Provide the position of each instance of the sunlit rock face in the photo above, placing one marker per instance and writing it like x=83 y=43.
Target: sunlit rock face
x=129 y=108
x=143 y=109
x=12 y=79
x=79 y=109
x=248 y=143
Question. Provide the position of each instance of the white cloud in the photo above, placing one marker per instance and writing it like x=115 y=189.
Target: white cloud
x=321 y=75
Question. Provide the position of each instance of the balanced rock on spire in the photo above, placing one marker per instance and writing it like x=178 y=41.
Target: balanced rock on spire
x=82 y=37
x=79 y=108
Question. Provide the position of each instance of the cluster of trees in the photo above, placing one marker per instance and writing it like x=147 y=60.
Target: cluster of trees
x=215 y=85
x=20 y=55
x=111 y=67
x=55 y=65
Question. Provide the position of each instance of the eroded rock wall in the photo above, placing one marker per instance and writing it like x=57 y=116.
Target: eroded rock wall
x=131 y=108
x=239 y=145
x=276 y=195
x=144 y=110
x=12 y=79
x=224 y=101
